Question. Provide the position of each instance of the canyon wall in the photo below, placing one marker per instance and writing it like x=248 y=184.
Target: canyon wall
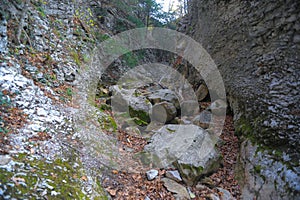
x=255 y=45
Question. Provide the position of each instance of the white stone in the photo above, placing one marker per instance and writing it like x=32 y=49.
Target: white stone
x=35 y=127
x=151 y=174
x=4 y=159
x=41 y=112
x=9 y=78
x=22 y=104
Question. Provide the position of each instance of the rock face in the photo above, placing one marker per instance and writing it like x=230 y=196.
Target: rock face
x=3 y=34
x=188 y=147
x=256 y=47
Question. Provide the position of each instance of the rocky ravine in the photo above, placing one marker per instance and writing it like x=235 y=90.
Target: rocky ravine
x=45 y=155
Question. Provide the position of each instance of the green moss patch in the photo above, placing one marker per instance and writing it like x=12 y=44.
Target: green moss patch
x=30 y=178
x=143 y=116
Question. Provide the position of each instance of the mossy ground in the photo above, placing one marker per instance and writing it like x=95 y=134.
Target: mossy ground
x=32 y=178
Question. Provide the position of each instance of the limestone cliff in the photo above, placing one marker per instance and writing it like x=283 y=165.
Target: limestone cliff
x=256 y=44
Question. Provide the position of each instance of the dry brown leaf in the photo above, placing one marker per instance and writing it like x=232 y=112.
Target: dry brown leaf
x=17 y=180
x=84 y=178
x=112 y=192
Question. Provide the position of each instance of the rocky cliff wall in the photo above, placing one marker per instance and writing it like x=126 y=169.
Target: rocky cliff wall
x=256 y=47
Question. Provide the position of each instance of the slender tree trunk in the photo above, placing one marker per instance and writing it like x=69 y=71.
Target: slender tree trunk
x=21 y=22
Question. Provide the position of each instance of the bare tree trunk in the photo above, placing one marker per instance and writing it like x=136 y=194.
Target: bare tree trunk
x=21 y=22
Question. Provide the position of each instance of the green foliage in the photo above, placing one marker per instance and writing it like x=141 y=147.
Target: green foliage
x=138 y=22
x=69 y=92
x=4 y=100
x=143 y=13
x=141 y=117
x=101 y=37
x=41 y=11
x=130 y=59
x=76 y=57
x=108 y=123
x=5 y=104
x=120 y=26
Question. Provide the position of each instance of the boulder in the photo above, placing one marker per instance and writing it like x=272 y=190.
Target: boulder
x=218 y=107
x=127 y=100
x=201 y=92
x=120 y=98
x=203 y=119
x=190 y=148
x=224 y=194
x=189 y=108
x=161 y=95
x=139 y=107
x=163 y=112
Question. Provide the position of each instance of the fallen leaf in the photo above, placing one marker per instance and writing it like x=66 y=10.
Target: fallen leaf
x=112 y=192
x=16 y=180
x=84 y=178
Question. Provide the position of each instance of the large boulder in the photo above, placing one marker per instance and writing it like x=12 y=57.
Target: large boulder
x=190 y=148
x=161 y=95
x=128 y=100
x=163 y=112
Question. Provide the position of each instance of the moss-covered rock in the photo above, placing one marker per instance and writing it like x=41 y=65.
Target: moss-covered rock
x=26 y=177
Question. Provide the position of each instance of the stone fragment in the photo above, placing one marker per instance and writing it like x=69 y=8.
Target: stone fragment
x=218 y=107
x=70 y=77
x=203 y=119
x=174 y=187
x=225 y=194
x=200 y=187
x=192 y=195
x=147 y=198
x=151 y=174
x=35 y=127
x=4 y=159
x=201 y=92
x=30 y=68
x=41 y=112
x=174 y=175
